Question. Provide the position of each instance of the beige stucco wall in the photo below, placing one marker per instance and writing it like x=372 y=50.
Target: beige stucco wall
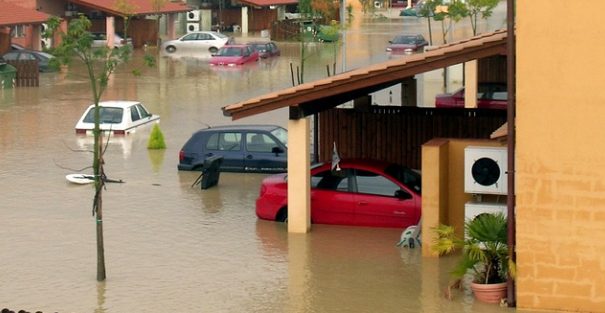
x=560 y=156
x=443 y=195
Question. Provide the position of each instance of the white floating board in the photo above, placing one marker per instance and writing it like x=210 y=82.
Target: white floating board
x=81 y=179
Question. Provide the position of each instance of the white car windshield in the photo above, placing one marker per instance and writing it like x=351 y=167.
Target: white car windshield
x=108 y=115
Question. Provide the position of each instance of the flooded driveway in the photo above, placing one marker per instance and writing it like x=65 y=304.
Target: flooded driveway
x=173 y=248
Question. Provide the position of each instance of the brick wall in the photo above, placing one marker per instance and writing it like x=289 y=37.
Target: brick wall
x=560 y=159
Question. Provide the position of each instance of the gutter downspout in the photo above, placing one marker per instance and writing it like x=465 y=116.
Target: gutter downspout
x=510 y=139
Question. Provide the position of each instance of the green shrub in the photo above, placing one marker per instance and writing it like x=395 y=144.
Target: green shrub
x=156 y=139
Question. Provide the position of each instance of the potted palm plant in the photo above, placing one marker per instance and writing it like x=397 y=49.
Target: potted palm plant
x=484 y=254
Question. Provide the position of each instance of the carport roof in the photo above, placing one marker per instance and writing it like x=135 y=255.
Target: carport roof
x=310 y=98
x=266 y=3
x=140 y=7
x=12 y=14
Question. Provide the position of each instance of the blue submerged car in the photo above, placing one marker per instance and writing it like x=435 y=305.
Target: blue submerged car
x=244 y=148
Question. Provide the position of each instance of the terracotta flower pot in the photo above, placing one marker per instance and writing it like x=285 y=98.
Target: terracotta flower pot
x=489 y=293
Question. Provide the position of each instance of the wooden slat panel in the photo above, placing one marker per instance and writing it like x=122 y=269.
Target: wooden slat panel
x=396 y=134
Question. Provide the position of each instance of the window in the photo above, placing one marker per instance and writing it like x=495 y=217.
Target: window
x=134 y=114
x=281 y=135
x=372 y=183
x=190 y=37
x=329 y=180
x=224 y=142
x=142 y=111
x=18 y=31
x=257 y=142
x=108 y=115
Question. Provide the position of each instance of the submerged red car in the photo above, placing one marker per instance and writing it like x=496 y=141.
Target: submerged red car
x=231 y=55
x=489 y=96
x=361 y=193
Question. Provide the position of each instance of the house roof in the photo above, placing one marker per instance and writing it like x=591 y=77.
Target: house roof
x=140 y=7
x=266 y=3
x=12 y=14
x=323 y=94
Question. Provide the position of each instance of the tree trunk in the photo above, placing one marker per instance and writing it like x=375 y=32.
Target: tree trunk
x=99 y=211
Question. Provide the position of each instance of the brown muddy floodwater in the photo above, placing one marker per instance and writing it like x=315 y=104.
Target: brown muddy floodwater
x=173 y=248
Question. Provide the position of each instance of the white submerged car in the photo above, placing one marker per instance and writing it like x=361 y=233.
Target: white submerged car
x=202 y=41
x=117 y=117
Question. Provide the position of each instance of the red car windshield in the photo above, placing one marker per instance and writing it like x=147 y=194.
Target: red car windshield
x=406 y=176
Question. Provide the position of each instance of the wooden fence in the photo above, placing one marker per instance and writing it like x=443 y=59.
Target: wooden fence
x=396 y=134
x=28 y=74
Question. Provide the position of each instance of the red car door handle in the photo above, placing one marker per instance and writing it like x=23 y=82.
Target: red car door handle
x=362 y=203
x=399 y=212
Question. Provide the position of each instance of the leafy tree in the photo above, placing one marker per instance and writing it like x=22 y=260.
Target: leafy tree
x=447 y=14
x=127 y=9
x=157 y=6
x=479 y=7
x=100 y=63
x=428 y=11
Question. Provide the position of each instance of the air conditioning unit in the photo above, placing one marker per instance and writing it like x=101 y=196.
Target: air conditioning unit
x=193 y=27
x=473 y=209
x=193 y=16
x=45 y=42
x=485 y=170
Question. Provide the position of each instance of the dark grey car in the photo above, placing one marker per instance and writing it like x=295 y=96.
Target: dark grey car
x=244 y=148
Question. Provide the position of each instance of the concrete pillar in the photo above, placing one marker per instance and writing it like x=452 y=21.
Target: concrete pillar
x=36 y=37
x=434 y=190
x=299 y=178
x=244 y=20
x=171 y=27
x=110 y=30
x=470 y=84
x=206 y=19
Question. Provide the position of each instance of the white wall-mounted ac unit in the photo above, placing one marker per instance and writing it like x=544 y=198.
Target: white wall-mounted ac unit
x=193 y=16
x=485 y=170
x=473 y=209
x=193 y=27
x=45 y=42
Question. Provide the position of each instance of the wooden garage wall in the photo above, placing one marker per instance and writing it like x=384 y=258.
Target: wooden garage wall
x=396 y=134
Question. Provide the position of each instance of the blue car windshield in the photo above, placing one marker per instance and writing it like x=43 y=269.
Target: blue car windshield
x=108 y=115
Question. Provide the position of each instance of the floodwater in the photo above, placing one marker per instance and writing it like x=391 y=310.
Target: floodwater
x=173 y=248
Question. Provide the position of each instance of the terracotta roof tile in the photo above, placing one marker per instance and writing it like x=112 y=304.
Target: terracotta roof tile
x=141 y=7
x=373 y=76
x=266 y=3
x=12 y=14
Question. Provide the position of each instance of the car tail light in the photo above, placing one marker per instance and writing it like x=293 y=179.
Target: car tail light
x=119 y=132
x=181 y=156
x=80 y=131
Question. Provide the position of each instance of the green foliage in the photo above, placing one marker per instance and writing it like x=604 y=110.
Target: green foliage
x=484 y=252
x=476 y=8
x=156 y=139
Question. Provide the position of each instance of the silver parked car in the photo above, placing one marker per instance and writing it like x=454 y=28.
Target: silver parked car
x=198 y=41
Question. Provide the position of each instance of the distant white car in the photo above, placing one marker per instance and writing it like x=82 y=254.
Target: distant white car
x=198 y=41
x=100 y=40
x=117 y=117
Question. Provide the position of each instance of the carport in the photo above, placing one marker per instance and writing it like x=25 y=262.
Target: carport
x=310 y=98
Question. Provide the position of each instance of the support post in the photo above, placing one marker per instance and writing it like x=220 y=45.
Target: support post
x=299 y=178
x=470 y=84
